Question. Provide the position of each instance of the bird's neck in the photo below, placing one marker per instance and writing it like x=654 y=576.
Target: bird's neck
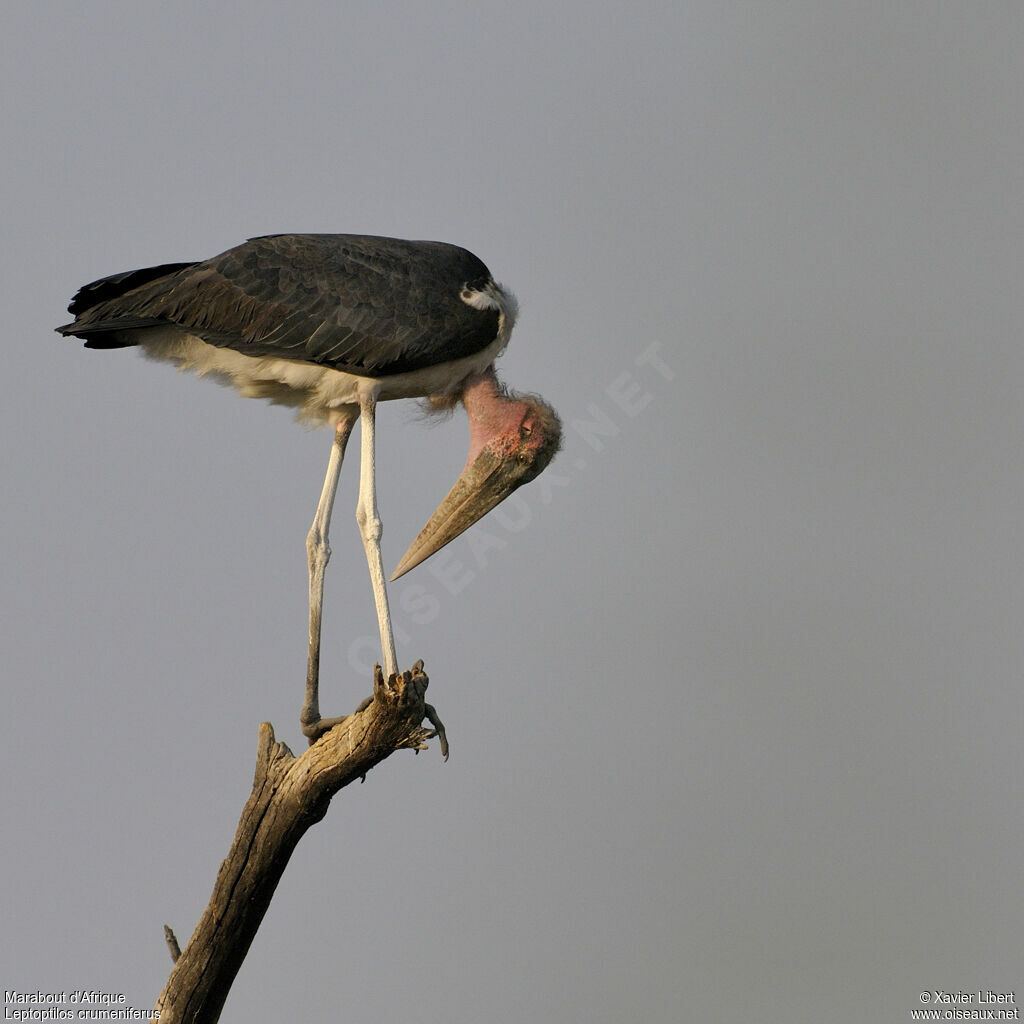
x=491 y=412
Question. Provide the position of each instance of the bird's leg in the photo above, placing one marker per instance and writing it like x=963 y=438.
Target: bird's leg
x=370 y=527
x=318 y=550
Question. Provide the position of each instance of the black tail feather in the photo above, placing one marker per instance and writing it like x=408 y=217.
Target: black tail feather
x=117 y=284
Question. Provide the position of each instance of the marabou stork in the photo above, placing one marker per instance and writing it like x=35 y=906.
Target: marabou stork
x=332 y=325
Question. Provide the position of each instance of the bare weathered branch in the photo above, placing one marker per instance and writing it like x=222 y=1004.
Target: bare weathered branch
x=172 y=942
x=289 y=794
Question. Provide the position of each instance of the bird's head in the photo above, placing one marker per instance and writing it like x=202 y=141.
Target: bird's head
x=512 y=439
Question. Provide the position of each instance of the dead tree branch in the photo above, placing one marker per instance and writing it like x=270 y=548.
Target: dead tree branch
x=289 y=794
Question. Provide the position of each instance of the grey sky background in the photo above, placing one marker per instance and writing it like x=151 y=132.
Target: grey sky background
x=733 y=690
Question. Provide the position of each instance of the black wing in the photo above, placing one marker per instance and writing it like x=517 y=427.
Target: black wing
x=359 y=303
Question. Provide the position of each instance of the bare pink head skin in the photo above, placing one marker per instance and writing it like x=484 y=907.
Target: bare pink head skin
x=512 y=438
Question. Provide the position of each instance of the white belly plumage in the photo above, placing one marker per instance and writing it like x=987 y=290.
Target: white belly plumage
x=318 y=393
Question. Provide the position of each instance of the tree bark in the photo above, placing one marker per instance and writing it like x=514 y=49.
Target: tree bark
x=289 y=794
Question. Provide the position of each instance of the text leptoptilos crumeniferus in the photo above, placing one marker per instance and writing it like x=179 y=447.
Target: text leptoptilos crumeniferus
x=334 y=324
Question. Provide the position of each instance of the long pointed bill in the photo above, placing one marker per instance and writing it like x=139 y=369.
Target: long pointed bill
x=507 y=461
x=487 y=482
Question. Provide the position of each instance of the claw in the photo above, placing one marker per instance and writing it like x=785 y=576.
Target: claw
x=438 y=725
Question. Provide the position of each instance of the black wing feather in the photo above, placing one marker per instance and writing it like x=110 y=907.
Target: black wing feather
x=367 y=305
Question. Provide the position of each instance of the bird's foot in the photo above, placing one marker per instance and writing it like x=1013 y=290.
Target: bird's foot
x=315 y=728
x=411 y=686
x=403 y=689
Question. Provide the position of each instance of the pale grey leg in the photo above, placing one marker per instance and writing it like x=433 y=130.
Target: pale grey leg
x=318 y=550
x=370 y=527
